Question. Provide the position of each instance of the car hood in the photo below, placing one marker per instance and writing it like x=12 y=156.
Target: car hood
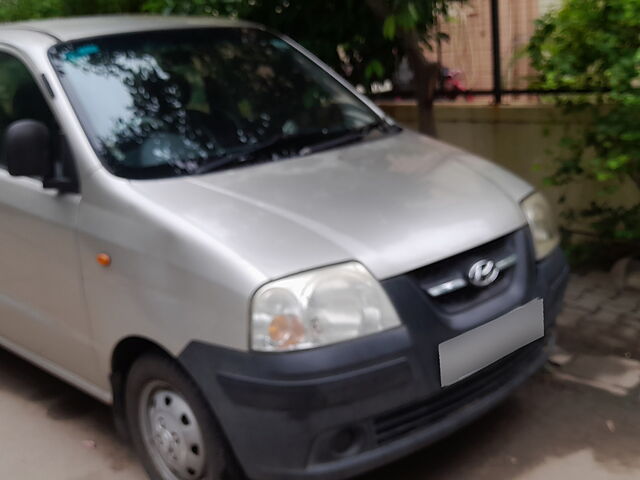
x=395 y=204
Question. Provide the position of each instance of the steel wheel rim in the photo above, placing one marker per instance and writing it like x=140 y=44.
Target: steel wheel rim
x=171 y=433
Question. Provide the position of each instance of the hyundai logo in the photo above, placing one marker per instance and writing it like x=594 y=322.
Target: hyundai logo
x=483 y=273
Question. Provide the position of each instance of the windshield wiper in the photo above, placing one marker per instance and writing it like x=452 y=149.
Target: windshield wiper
x=351 y=136
x=312 y=145
x=257 y=152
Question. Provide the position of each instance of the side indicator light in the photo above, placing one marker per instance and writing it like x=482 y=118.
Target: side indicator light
x=103 y=259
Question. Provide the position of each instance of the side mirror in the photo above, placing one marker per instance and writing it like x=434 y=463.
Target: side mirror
x=27 y=149
x=27 y=152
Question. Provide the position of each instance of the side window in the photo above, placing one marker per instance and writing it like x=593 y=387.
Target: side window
x=20 y=98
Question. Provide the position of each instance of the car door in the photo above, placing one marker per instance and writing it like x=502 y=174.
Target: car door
x=43 y=313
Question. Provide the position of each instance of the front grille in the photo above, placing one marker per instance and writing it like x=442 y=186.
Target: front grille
x=458 y=267
x=400 y=422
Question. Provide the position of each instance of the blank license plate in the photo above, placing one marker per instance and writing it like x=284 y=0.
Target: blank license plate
x=478 y=348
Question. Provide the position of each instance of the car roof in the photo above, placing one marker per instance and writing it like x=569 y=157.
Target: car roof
x=76 y=28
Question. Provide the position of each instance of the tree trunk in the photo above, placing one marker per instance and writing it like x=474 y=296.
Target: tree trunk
x=636 y=178
x=425 y=83
x=427 y=120
x=425 y=73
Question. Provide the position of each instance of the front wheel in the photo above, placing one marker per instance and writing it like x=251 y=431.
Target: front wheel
x=172 y=428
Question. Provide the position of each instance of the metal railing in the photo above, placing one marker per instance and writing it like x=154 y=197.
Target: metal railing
x=498 y=91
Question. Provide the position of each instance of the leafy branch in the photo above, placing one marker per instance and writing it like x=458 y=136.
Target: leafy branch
x=595 y=45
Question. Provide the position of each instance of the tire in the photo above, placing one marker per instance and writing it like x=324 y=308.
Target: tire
x=172 y=428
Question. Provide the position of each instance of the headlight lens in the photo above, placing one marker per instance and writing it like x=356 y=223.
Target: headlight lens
x=543 y=224
x=320 y=307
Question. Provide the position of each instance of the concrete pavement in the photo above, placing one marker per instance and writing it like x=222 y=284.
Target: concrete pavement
x=52 y=431
x=600 y=317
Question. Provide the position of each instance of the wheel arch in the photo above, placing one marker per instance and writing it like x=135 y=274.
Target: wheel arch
x=125 y=353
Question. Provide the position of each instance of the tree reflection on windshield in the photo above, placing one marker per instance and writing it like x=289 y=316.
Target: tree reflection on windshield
x=164 y=103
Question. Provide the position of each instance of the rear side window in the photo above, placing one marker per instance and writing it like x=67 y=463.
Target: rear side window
x=20 y=98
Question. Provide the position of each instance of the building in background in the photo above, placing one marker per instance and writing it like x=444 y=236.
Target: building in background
x=468 y=52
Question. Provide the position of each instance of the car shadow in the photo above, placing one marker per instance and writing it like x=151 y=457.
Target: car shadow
x=547 y=429
x=62 y=401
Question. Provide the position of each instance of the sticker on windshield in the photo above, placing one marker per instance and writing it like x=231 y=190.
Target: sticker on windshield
x=81 y=52
x=279 y=44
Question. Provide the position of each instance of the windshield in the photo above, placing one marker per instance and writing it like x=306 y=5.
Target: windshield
x=163 y=104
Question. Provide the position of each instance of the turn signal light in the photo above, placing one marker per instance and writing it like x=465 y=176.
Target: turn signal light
x=286 y=330
x=103 y=259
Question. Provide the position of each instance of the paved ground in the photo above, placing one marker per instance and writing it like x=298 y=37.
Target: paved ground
x=600 y=318
x=578 y=419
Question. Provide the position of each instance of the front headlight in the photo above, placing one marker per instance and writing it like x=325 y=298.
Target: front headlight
x=543 y=224
x=320 y=307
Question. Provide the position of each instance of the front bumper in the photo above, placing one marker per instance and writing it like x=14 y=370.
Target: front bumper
x=338 y=411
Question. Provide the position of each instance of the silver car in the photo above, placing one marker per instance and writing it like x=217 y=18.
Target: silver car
x=204 y=226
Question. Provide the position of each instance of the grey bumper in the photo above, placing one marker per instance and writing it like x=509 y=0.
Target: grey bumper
x=339 y=411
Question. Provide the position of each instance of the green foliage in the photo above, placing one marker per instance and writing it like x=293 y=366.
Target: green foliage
x=13 y=10
x=343 y=33
x=362 y=39
x=349 y=35
x=415 y=16
x=595 y=44
x=346 y=34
